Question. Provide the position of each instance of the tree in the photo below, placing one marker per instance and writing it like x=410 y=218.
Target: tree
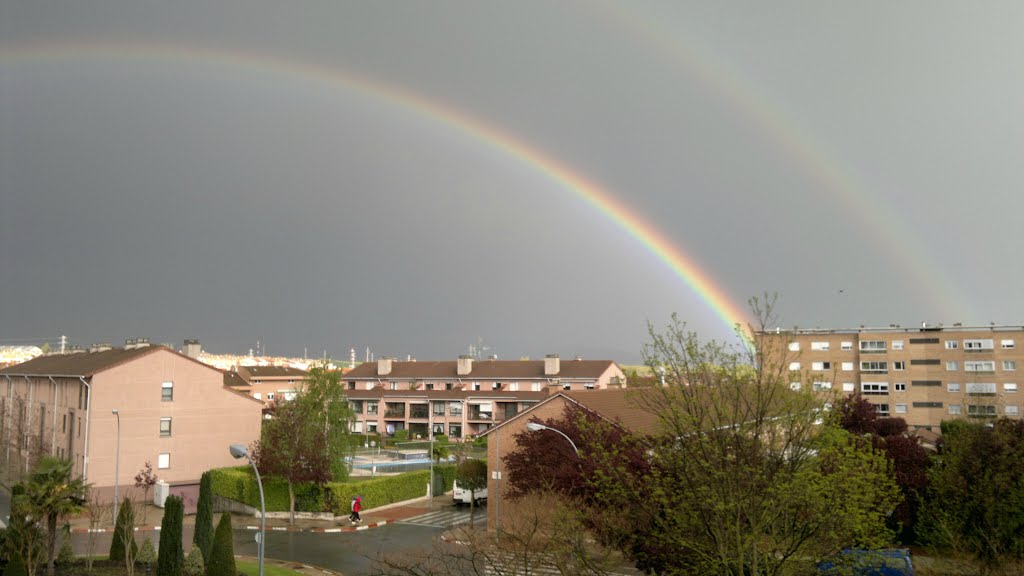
x=741 y=476
x=472 y=475
x=147 y=555
x=25 y=541
x=975 y=497
x=203 y=535
x=172 y=558
x=306 y=439
x=122 y=545
x=51 y=494
x=194 y=563
x=222 y=555
x=145 y=479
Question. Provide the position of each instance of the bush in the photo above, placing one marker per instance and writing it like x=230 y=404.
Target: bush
x=400 y=436
x=125 y=517
x=66 y=556
x=194 y=563
x=16 y=566
x=147 y=555
x=222 y=556
x=171 y=555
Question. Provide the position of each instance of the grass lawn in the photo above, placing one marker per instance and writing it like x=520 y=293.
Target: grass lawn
x=108 y=568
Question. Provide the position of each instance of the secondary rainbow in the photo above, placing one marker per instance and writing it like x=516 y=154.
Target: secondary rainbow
x=681 y=265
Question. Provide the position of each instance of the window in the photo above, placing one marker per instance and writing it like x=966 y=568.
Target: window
x=794 y=386
x=981 y=388
x=899 y=365
x=513 y=386
x=1010 y=388
x=874 y=366
x=257 y=395
x=819 y=346
x=952 y=344
x=64 y=424
x=900 y=386
x=163 y=461
x=847 y=366
x=897 y=345
x=455 y=408
x=449 y=385
x=953 y=387
x=848 y=387
x=165 y=427
x=1006 y=344
x=167 y=391
x=874 y=388
x=455 y=431
x=822 y=386
x=882 y=409
x=821 y=365
x=535 y=387
x=429 y=386
x=952 y=365
x=901 y=408
x=438 y=410
x=980 y=366
x=496 y=386
x=872 y=346
x=393 y=385
x=1009 y=365
x=794 y=366
x=371 y=407
x=794 y=346
x=1011 y=411
x=977 y=345
x=954 y=409
x=476 y=386
x=566 y=387
x=270 y=396
x=981 y=411
x=846 y=345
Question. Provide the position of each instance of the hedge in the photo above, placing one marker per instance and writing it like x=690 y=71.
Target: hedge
x=239 y=484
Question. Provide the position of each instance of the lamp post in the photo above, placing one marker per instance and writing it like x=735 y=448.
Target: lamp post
x=117 y=459
x=537 y=426
x=430 y=424
x=238 y=451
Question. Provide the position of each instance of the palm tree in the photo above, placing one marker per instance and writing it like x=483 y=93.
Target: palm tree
x=51 y=494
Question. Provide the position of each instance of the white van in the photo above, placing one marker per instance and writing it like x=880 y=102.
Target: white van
x=462 y=496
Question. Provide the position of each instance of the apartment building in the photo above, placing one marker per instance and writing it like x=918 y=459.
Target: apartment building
x=171 y=411
x=463 y=398
x=923 y=375
x=267 y=383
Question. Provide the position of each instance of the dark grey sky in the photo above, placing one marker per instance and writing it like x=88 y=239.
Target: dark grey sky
x=232 y=171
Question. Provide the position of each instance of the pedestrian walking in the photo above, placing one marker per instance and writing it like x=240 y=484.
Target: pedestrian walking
x=357 y=505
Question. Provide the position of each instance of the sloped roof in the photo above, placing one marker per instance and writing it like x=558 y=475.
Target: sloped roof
x=614 y=404
x=80 y=363
x=233 y=379
x=483 y=369
x=274 y=371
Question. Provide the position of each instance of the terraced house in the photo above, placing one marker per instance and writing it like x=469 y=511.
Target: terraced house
x=923 y=375
x=463 y=398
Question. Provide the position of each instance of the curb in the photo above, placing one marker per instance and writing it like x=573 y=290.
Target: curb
x=111 y=530
x=320 y=530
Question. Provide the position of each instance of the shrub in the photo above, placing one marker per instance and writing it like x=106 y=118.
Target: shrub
x=171 y=555
x=146 y=553
x=16 y=567
x=202 y=538
x=222 y=556
x=125 y=517
x=194 y=563
x=66 y=556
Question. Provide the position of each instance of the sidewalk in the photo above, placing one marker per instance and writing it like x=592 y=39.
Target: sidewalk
x=372 y=518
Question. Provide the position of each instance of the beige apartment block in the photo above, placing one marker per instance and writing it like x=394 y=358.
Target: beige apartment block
x=172 y=411
x=463 y=398
x=267 y=383
x=923 y=375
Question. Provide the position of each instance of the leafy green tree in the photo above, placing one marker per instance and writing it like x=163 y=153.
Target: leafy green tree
x=172 y=557
x=52 y=493
x=975 y=497
x=24 y=538
x=306 y=440
x=203 y=536
x=472 y=475
x=222 y=556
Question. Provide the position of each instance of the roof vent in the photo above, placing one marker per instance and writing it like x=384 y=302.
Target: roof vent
x=100 y=347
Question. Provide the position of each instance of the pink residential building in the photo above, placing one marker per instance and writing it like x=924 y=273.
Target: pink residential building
x=171 y=411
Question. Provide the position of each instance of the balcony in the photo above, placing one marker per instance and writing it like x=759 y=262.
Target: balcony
x=396 y=413
x=419 y=411
x=480 y=415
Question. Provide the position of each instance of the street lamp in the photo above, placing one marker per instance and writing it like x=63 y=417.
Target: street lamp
x=537 y=427
x=117 y=459
x=238 y=451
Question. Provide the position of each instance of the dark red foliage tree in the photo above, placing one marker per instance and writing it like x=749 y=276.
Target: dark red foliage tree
x=886 y=427
x=857 y=415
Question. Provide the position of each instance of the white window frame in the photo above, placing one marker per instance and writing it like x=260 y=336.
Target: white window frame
x=1011 y=410
x=979 y=366
x=849 y=387
x=955 y=410
x=1010 y=387
x=900 y=387
x=820 y=346
x=847 y=366
x=952 y=365
x=795 y=386
x=1009 y=365
x=899 y=365
x=872 y=346
x=874 y=388
x=900 y=409
x=987 y=388
x=820 y=366
x=822 y=386
x=794 y=346
x=794 y=366
x=1006 y=344
x=897 y=344
x=952 y=344
x=979 y=344
x=164 y=395
x=846 y=345
x=953 y=387
x=877 y=366
x=163 y=461
x=166 y=419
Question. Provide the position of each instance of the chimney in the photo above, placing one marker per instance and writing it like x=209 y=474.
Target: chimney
x=101 y=347
x=132 y=343
x=383 y=366
x=192 y=349
x=465 y=365
x=551 y=365
x=75 y=350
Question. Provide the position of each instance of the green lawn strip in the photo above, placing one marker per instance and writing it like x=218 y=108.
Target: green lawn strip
x=252 y=569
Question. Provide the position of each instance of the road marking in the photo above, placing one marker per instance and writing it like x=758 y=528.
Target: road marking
x=440 y=518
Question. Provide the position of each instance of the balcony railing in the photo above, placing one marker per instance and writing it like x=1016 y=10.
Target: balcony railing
x=394 y=414
x=419 y=412
x=478 y=415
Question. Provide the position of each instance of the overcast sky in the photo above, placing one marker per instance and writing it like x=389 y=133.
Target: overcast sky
x=334 y=175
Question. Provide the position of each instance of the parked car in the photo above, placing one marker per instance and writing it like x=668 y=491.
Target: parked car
x=888 y=562
x=462 y=496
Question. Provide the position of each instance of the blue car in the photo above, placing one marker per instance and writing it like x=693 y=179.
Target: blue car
x=889 y=562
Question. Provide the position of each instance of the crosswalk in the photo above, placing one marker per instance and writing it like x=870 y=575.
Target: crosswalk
x=447 y=518
x=537 y=570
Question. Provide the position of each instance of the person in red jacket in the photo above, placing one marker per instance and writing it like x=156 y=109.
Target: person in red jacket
x=357 y=505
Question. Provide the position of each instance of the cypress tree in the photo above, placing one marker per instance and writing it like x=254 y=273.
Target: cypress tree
x=125 y=518
x=203 y=537
x=171 y=560
x=222 y=555
x=194 y=564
